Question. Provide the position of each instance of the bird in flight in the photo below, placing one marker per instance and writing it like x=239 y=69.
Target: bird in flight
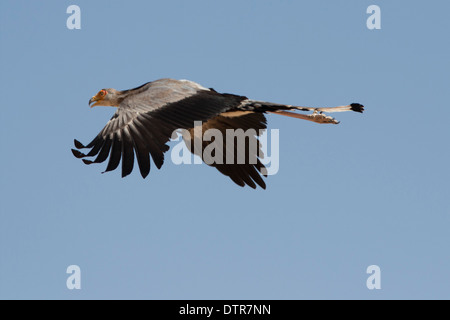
x=147 y=116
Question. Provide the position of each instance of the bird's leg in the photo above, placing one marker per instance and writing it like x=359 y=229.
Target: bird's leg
x=314 y=117
x=318 y=114
x=321 y=118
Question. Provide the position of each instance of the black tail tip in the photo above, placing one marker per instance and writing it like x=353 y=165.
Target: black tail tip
x=357 y=107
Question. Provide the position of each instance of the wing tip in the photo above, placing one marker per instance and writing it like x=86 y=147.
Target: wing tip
x=78 y=154
x=262 y=185
x=255 y=185
x=144 y=174
x=87 y=161
x=78 y=144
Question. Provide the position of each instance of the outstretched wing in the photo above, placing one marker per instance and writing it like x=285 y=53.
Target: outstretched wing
x=145 y=120
x=245 y=167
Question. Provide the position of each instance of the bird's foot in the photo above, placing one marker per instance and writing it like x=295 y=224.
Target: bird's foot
x=322 y=118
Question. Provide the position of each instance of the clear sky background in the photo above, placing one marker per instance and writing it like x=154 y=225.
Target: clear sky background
x=373 y=190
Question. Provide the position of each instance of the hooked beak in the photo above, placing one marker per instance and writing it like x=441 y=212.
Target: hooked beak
x=94 y=99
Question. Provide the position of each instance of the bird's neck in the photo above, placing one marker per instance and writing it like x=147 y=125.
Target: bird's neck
x=119 y=96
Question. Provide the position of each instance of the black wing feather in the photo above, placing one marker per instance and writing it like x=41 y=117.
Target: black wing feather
x=116 y=151
x=250 y=171
x=127 y=154
x=142 y=152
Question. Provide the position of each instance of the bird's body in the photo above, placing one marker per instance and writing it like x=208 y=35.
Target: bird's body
x=147 y=116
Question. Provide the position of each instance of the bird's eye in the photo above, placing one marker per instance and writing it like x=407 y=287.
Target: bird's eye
x=102 y=93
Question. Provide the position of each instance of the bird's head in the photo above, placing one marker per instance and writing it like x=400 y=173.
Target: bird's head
x=106 y=97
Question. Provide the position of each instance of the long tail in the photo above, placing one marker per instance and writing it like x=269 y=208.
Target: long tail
x=317 y=116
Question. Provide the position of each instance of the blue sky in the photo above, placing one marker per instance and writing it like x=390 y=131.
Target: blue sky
x=371 y=191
